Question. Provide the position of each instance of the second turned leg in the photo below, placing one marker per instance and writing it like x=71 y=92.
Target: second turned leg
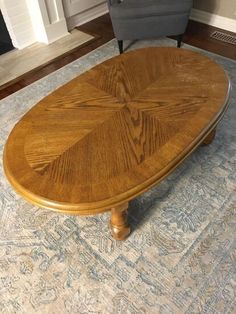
x=210 y=137
x=119 y=225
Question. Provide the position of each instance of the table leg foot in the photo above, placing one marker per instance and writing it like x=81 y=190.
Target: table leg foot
x=210 y=137
x=119 y=226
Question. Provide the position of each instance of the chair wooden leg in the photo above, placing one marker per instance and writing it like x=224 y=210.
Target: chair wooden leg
x=179 y=40
x=119 y=226
x=120 y=45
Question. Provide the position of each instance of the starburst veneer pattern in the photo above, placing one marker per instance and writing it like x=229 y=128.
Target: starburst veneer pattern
x=115 y=131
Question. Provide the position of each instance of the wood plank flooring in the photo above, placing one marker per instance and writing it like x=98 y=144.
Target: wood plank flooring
x=16 y=63
x=197 y=34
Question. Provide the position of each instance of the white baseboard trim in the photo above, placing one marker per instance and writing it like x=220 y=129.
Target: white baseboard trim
x=86 y=16
x=214 y=20
x=56 y=31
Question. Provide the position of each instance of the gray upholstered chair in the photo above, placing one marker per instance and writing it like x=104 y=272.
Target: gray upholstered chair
x=142 y=19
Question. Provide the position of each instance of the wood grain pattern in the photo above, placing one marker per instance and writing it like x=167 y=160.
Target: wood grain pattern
x=197 y=34
x=115 y=131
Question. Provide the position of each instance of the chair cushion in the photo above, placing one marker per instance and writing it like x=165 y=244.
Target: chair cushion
x=143 y=8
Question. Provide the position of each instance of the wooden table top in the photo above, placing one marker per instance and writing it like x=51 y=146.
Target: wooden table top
x=116 y=130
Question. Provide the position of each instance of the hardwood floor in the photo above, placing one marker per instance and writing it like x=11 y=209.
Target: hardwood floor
x=197 y=34
x=17 y=63
x=100 y=27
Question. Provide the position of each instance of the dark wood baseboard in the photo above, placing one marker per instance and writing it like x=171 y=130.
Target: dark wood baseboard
x=197 y=35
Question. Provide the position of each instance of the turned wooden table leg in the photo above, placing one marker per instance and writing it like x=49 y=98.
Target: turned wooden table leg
x=210 y=137
x=119 y=225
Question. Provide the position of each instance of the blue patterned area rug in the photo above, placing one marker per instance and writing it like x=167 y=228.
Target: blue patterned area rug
x=181 y=257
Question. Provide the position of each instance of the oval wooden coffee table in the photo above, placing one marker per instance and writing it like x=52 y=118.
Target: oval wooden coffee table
x=115 y=131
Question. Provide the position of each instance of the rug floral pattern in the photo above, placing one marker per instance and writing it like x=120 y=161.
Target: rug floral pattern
x=180 y=258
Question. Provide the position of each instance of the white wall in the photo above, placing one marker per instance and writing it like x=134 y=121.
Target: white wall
x=18 y=21
x=48 y=20
x=30 y=21
x=218 y=13
x=225 y=8
x=78 y=12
